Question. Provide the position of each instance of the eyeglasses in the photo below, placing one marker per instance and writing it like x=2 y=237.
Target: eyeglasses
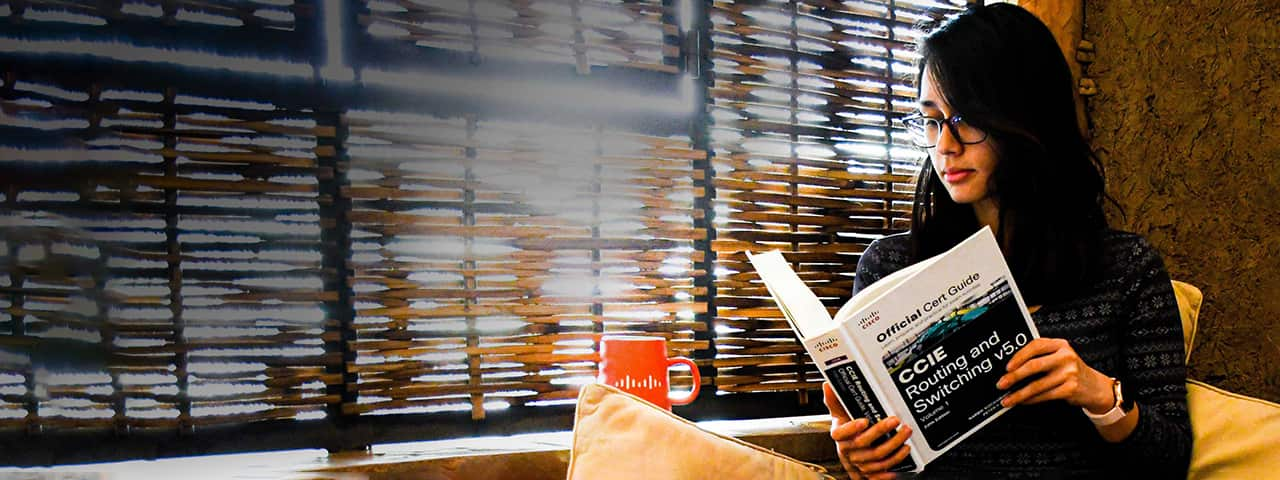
x=926 y=132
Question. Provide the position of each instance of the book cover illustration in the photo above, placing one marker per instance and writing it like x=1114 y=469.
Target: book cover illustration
x=947 y=373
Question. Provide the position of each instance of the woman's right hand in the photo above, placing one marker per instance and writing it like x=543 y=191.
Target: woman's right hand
x=854 y=441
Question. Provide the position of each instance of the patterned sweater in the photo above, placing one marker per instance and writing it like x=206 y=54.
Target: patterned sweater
x=1125 y=325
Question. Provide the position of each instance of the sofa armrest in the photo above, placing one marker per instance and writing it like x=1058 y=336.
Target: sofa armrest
x=1189 y=300
x=1236 y=436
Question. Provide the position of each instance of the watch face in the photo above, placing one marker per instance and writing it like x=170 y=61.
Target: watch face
x=1126 y=400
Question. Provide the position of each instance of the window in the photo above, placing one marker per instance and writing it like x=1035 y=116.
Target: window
x=286 y=221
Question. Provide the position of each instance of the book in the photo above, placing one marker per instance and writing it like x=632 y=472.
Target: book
x=926 y=343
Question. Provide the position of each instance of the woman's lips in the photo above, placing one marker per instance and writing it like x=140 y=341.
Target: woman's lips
x=957 y=175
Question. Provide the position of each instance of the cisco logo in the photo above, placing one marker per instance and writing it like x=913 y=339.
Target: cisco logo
x=828 y=344
x=869 y=320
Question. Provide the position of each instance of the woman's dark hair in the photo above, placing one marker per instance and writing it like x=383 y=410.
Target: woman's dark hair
x=1001 y=69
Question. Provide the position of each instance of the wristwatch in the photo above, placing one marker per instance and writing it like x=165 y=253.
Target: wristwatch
x=1121 y=408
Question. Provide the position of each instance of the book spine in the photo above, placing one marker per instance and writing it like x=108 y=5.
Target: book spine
x=839 y=365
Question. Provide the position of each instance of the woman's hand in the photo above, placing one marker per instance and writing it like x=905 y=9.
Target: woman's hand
x=854 y=441
x=1063 y=375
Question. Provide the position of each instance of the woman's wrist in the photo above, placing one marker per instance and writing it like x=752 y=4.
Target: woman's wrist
x=1102 y=396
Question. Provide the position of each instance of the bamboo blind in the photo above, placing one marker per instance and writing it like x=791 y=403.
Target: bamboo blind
x=179 y=250
x=162 y=259
x=584 y=33
x=809 y=158
x=277 y=15
x=490 y=256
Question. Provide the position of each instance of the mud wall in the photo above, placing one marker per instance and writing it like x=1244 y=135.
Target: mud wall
x=1187 y=123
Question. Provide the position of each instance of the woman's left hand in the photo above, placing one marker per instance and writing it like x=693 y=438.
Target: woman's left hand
x=1062 y=375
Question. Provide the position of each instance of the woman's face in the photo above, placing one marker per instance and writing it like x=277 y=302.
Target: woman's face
x=964 y=169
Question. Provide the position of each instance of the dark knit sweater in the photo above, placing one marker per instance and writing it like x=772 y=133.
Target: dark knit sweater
x=1126 y=325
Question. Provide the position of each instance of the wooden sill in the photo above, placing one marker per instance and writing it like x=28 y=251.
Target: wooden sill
x=529 y=456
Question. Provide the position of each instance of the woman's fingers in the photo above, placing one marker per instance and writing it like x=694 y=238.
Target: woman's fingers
x=1055 y=372
x=854 y=438
x=882 y=451
x=857 y=453
x=884 y=465
x=1060 y=392
x=1040 y=386
x=852 y=469
x=1033 y=366
x=880 y=429
x=1035 y=348
x=848 y=431
x=838 y=413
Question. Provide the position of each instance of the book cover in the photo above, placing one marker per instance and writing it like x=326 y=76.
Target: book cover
x=925 y=344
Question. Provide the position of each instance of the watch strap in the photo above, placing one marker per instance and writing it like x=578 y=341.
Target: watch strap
x=1117 y=411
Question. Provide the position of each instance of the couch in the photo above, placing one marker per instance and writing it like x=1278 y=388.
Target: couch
x=618 y=436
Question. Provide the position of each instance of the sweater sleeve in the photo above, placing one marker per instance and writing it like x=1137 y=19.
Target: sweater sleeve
x=1154 y=370
x=880 y=259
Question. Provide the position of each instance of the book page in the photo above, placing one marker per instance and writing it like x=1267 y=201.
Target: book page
x=801 y=307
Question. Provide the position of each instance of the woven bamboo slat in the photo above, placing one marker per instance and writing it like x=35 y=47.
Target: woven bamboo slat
x=762 y=386
x=809 y=180
x=415 y=390
x=534 y=270
x=404 y=370
x=247 y=13
x=777 y=382
x=537 y=324
x=736 y=374
x=792 y=380
x=638 y=54
x=870 y=12
x=541 y=360
x=581 y=33
x=233 y=419
x=808 y=160
x=516 y=383
x=735 y=157
x=761 y=360
x=524 y=235
x=453 y=403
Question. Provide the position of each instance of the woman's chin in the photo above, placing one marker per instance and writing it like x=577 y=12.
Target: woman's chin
x=963 y=198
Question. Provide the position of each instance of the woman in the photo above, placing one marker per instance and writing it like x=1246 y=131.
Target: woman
x=1101 y=394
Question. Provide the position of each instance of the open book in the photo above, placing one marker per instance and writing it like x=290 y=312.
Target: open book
x=926 y=343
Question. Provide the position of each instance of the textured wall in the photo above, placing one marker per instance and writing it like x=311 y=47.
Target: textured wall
x=1187 y=122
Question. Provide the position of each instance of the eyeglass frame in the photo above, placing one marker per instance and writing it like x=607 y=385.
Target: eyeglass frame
x=951 y=124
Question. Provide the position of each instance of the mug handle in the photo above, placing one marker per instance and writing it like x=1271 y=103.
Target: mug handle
x=697 y=379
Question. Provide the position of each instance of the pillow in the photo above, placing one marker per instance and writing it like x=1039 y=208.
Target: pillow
x=1189 y=300
x=1235 y=435
x=619 y=436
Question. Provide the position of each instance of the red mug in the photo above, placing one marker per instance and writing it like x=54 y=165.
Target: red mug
x=638 y=365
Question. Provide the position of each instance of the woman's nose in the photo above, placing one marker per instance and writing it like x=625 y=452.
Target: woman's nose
x=948 y=142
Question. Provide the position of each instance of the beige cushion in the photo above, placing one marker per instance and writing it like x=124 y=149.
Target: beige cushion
x=618 y=436
x=1189 y=300
x=1235 y=436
